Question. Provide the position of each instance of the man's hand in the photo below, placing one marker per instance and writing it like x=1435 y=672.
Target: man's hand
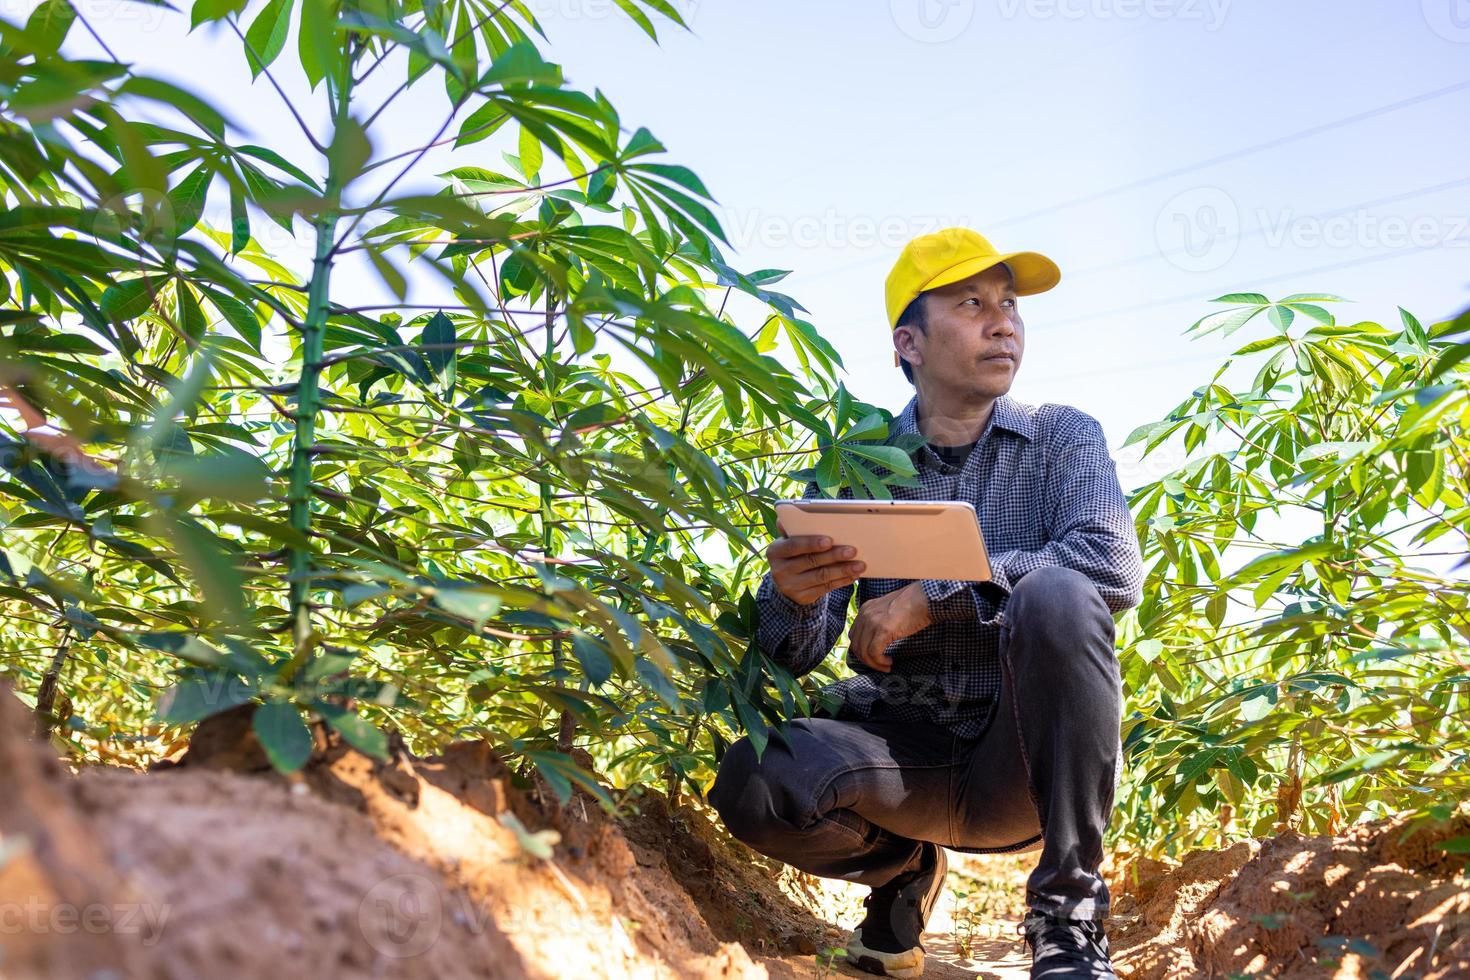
x=886 y=620
x=808 y=566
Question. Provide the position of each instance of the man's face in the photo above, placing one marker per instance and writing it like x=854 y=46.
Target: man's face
x=975 y=336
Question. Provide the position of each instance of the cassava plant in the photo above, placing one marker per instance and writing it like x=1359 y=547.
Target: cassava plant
x=1300 y=656
x=521 y=511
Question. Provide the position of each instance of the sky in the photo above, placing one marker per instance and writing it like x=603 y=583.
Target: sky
x=1162 y=152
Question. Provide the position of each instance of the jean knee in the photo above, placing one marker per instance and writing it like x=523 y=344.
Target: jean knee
x=1052 y=594
x=739 y=795
x=1064 y=622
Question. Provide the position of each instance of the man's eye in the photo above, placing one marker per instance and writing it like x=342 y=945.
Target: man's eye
x=973 y=299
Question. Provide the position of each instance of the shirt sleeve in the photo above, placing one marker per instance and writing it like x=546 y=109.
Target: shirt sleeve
x=955 y=599
x=1092 y=529
x=798 y=636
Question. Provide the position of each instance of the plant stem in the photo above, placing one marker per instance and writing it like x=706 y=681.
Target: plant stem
x=46 y=696
x=567 y=723
x=313 y=327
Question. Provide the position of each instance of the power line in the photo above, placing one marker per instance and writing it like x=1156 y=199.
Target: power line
x=1189 y=168
x=1195 y=294
x=1241 y=236
x=1237 y=154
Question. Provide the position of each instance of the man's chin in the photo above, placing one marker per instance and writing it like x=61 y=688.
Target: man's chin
x=990 y=389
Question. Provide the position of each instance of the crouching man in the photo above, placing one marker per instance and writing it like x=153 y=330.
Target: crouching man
x=980 y=717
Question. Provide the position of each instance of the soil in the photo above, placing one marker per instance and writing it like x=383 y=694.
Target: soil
x=1381 y=900
x=455 y=866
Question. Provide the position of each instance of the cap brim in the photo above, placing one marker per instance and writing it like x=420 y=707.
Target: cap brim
x=1034 y=272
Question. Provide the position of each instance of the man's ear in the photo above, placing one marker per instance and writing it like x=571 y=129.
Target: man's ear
x=896 y=356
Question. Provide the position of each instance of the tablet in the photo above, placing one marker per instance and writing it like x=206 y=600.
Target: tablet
x=897 y=538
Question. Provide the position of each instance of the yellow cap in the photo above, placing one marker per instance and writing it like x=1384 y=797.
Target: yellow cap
x=952 y=254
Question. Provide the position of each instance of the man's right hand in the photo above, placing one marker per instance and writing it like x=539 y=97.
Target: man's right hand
x=805 y=568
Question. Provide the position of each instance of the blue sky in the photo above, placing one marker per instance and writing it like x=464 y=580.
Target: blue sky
x=818 y=125
x=1161 y=151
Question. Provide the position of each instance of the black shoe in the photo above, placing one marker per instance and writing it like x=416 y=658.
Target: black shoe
x=1066 y=949
x=886 y=942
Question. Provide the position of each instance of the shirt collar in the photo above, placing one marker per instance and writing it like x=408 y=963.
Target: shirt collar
x=1008 y=414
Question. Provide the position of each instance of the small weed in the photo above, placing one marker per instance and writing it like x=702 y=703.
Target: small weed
x=827 y=960
x=976 y=903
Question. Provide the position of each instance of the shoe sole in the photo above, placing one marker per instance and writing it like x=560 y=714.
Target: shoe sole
x=908 y=964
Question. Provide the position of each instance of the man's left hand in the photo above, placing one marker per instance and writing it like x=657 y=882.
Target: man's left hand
x=886 y=620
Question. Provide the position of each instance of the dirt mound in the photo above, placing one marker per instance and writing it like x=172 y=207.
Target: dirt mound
x=1383 y=899
x=455 y=866
x=354 y=867
x=58 y=891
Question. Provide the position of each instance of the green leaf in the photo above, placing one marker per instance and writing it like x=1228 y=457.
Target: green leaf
x=180 y=100
x=196 y=698
x=1308 y=298
x=229 y=474
x=239 y=219
x=891 y=457
x=318 y=44
x=188 y=196
x=182 y=396
x=468 y=603
x=873 y=426
x=190 y=316
x=350 y=150
x=359 y=592
x=211 y=563
x=267 y=35
x=1215 y=608
x=276 y=160
x=1148 y=650
x=1281 y=317
x=47 y=26
x=656 y=681
x=530 y=154
x=185 y=646
x=518 y=65
x=209 y=10
x=389 y=273
x=131 y=298
x=438 y=332
x=325 y=665
x=366 y=738
x=283 y=735
x=237 y=314
x=1258 y=704
x=638 y=17
x=594 y=658
x=685 y=177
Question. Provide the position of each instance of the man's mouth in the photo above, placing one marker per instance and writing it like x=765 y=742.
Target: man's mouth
x=1003 y=356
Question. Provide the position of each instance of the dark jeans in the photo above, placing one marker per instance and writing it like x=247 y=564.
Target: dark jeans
x=853 y=799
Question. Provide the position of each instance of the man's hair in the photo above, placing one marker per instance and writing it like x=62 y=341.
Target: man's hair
x=912 y=316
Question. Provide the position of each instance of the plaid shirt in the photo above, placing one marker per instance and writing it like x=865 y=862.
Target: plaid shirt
x=1046 y=492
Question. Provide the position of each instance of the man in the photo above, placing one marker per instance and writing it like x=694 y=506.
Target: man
x=980 y=717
